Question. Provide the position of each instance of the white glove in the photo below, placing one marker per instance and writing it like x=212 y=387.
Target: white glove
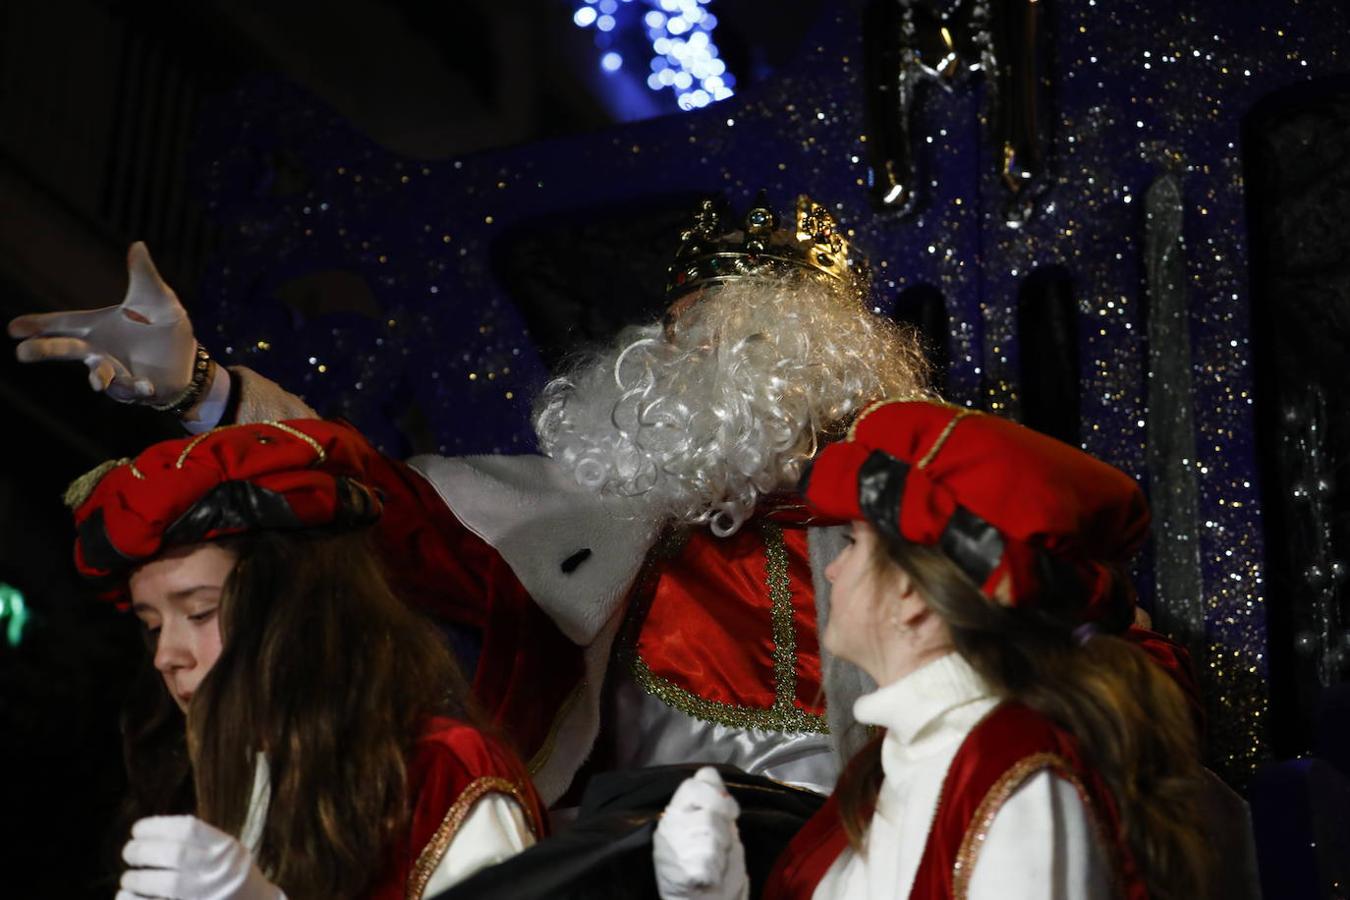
x=141 y=351
x=696 y=850
x=183 y=858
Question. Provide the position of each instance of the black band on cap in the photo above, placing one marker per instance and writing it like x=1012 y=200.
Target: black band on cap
x=95 y=548
x=881 y=485
x=231 y=506
x=967 y=540
x=972 y=543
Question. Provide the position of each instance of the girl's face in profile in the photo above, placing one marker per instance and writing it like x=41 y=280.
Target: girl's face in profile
x=177 y=599
x=878 y=620
x=857 y=622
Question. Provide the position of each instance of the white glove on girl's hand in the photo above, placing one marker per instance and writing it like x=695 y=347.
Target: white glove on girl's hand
x=139 y=352
x=183 y=858
x=696 y=849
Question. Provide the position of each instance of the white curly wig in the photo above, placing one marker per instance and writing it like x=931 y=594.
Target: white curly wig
x=731 y=401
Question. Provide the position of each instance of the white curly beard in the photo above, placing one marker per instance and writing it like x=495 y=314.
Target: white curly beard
x=732 y=404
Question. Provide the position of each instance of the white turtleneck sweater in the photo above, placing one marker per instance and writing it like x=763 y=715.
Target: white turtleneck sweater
x=1040 y=844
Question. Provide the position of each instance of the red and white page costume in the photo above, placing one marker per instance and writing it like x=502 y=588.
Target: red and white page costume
x=979 y=800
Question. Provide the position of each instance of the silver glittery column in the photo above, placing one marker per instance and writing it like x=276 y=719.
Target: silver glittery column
x=1304 y=455
x=1180 y=606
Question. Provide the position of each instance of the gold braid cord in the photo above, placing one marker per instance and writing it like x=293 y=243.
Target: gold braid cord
x=320 y=453
x=434 y=851
x=872 y=407
x=1008 y=783
x=942 y=438
x=545 y=750
x=784 y=715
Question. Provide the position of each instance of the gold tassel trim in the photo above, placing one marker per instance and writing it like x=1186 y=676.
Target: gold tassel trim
x=82 y=487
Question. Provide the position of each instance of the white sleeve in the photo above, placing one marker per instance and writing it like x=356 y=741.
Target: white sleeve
x=212 y=407
x=1042 y=846
x=495 y=829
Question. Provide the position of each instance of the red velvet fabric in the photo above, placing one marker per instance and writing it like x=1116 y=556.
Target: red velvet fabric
x=709 y=626
x=1008 y=736
x=445 y=762
x=1041 y=495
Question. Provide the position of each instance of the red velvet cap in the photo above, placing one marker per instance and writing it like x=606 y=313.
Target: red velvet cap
x=302 y=473
x=1024 y=515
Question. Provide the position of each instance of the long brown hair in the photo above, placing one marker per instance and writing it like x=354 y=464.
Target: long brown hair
x=1130 y=719
x=325 y=671
x=154 y=752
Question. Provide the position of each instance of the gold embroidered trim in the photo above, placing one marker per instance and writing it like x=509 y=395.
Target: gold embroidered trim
x=551 y=739
x=784 y=714
x=1005 y=787
x=942 y=438
x=780 y=615
x=280 y=426
x=772 y=719
x=131 y=464
x=431 y=854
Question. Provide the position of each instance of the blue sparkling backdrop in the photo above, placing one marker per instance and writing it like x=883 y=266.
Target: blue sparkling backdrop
x=1138 y=88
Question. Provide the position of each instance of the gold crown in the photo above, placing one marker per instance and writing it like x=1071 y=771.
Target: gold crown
x=713 y=251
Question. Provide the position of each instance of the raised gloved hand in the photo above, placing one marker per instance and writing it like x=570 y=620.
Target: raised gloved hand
x=141 y=351
x=183 y=858
x=696 y=849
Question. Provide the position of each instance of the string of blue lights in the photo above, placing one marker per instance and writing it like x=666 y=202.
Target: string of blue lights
x=678 y=34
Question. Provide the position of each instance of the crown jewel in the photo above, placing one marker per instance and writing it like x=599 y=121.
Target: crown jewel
x=713 y=250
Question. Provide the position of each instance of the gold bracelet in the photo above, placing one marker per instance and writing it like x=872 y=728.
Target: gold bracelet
x=201 y=368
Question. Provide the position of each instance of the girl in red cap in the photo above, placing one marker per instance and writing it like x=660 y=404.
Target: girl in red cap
x=1019 y=750
x=304 y=734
